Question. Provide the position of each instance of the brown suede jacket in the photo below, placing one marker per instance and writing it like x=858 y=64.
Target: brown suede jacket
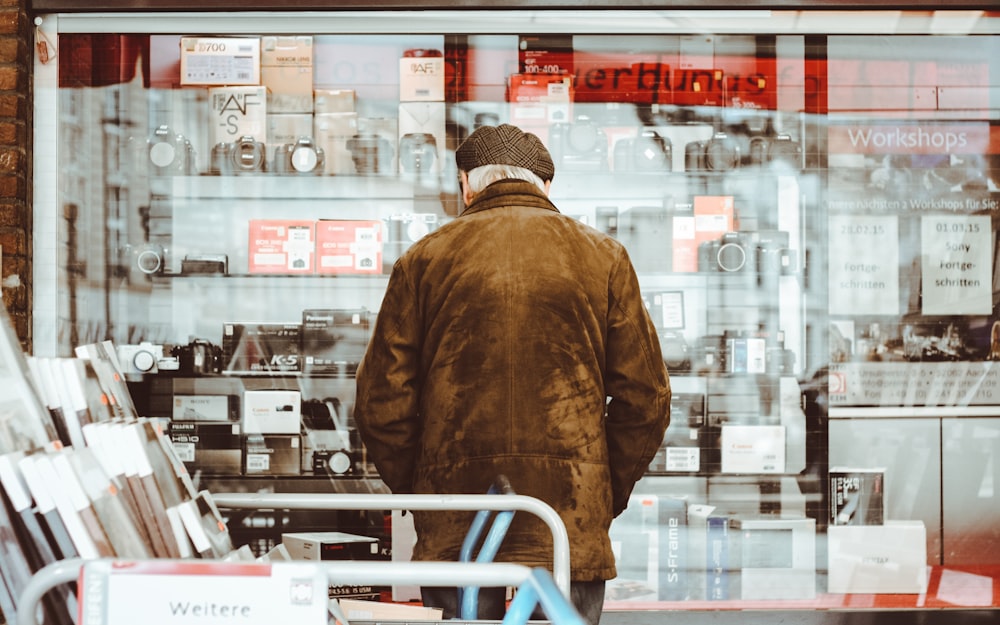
x=501 y=338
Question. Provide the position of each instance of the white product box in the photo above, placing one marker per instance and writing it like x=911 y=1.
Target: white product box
x=331 y=132
x=201 y=408
x=272 y=412
x=286 y=69
x=753 y=448
x=889 y=558
x=777 y=556
x=334 y=101
x=236 y=112
x=421 y=79
x=220 y=61
x=285 y=128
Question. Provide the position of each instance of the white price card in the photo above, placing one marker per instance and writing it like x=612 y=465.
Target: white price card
x=162 y=592
x=864 y=265
x=956 y=265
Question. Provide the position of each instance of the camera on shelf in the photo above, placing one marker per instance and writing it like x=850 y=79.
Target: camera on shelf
x=199 y=357
x=371 y=154
x=676 y=354
x=332 y=462
x=773 y=254
x=580 y=145
x=205 y=264
x=777 y=149
x=139 y=359
x=246 y=155
x=417 y=152
x=732 y=252
x=720 y=153
x=302 y=157
x=649 y=151
x=142 y=260
x=170 y=153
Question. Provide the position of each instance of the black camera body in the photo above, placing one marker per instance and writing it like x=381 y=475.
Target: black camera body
x=417 y=152
x=580 y=145
x=371 y=154
x=720 y=153
x=773 y=253
x=731 y=253
x=199 y=357
x=303 y=157
x=776 y=149
x=647 y=152
x=170 y=153
x=245 y=155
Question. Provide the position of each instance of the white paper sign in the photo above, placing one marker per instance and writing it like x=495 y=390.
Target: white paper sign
x=183 y=593
x=864 y=265
x=956 y=265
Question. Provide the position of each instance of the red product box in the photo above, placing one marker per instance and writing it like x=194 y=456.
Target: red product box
x=349 y=246
x=281 y=246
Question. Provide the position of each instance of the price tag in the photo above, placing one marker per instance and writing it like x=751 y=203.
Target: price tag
x=864 y=265
x=183 y=593
x=956 y=268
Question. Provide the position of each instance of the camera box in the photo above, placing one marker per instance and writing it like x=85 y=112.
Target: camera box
x=261 y=348
x=327 y=101
x=283 y=128
x=857 y=496
x=237 y=112
x=318 y=546
x=421 y=137
x=334 y=341
x=383 y=611
x=753 y=448
x=286 y=69
x=421 y=76
x=707 y=219
x=331 y=132
x=888 y=558
x=210 y=61
x=348 y=246
x=214 y=448
x=537 y=100
x=272 y=454
x=205 y=408
x=776 y=555
x=272 y=412
x=281 y=246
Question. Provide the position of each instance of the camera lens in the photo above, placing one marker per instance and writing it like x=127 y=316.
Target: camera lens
x=731 y=257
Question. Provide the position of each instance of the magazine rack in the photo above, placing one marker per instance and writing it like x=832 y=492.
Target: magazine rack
x=379 y=501
x=535 y=586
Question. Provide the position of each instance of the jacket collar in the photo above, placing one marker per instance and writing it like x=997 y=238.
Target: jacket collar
x=510 y=192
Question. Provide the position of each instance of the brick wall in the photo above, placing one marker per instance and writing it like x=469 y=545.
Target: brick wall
x=15 y=163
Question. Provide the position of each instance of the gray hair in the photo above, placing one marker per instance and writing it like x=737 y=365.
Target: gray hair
x=485 y=175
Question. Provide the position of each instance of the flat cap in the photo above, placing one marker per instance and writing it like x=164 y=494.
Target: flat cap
x=505 y=145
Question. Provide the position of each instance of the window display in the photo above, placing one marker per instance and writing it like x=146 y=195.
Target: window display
x=811 y=215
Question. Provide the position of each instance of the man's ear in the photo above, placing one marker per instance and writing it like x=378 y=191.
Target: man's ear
x=548 y=185
x=466 y=192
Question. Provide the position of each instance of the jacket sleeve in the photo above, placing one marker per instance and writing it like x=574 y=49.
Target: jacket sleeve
x=637 y=383
x=387 y=398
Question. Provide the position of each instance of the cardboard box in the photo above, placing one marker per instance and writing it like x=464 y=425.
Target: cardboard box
x=777 y=556
x=261 y=348
x=281 y=246
x=237 y=112
x=857 y=496
x=284 y=128
x=326 y=101
x=331 y=131
x=272 y=454
x=753 y=448
x=421 y=76
x=212 y=448
x=220 y=61
x=205 y=408
x=538 y=100
x=888 y=558
x=272 y=412
x=334 y=340
x=379 y=610
x=348 y=246
x=286 y=69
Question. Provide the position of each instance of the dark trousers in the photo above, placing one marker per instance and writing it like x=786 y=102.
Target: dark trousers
x=587 y=598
